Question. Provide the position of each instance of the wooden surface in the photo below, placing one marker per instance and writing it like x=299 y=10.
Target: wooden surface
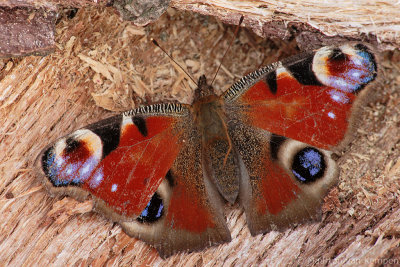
x=50 y=4
x=311 y=22
x=24 y=31
x=101 y=61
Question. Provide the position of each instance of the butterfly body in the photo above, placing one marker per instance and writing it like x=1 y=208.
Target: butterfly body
x=164 y=171
x=218 y=156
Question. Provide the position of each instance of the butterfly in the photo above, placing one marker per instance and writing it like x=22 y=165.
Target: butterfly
x=164 y=171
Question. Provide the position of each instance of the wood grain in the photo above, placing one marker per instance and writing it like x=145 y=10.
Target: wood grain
x=311 y=22
x=43 y=98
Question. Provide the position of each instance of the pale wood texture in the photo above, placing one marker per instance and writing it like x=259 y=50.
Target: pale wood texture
x=311 y=22
x=43 y=98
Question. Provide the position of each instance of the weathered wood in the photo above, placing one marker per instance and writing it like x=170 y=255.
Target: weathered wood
x=27 y=26
x=25 y=31
x=311 y=22
x=51 y=4
x=43 y=98
x=141 y=12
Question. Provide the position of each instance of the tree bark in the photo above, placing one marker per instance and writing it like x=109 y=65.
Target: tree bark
x=101 y=61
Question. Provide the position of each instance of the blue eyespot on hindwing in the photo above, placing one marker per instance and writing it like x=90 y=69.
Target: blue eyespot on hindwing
x=153 y=211
x=308 y=165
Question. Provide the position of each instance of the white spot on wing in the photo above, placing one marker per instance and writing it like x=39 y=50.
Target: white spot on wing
x=331 y=115
x=340 y=84
x=281 y=69
x=59 y=161
x=86 y=168
x=114 y=187
x=356 y=74
x=357 y=61
x=98 y=177
x=70 y=169
x=338 y=97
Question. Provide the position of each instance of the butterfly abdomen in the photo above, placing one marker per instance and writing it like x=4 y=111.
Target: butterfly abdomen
x=218 y=154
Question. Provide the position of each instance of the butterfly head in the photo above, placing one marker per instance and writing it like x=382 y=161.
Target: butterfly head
x=203 y=89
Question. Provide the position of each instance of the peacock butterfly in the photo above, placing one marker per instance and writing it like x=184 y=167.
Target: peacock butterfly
x=163 y=171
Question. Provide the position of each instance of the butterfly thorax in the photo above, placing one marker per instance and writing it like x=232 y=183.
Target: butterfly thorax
x=217 y=152
x=208 y=110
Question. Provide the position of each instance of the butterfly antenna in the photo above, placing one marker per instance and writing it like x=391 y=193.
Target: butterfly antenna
x=233 y=39
x=165 y=52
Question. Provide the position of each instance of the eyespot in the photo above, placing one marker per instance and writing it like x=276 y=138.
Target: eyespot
x=71 y=160
x=308 y=165
x=153 y=211
x=347 y=68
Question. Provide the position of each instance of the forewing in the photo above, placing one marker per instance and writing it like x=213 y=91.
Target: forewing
x=313 y=98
